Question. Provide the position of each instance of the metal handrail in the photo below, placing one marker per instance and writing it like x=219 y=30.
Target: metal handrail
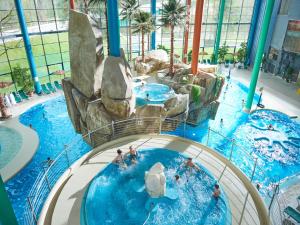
x=64 y=160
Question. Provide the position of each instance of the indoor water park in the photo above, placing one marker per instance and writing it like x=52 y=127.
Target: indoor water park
x=150 y=112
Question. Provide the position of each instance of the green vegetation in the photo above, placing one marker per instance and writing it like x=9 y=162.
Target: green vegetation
x=144 y=24
x=173 y=15
x=241 y=53
x=223 y=51
x=189 y=56
x=22 y=78
x=196 y=93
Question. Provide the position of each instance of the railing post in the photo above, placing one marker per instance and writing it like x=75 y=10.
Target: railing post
x=68 y=160
x=208 y=133
x=254 y=168
x=231 y=150
x=46 y=178
x=184 y=128
x=112 y=128
x=243 y=210
x=160 y=124
x=32 y=210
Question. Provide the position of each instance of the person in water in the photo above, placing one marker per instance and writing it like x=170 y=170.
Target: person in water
x=177 y=177
x=270 y=127
x=147 y=97
x=49 y=161
x=119 y=160
x=189 y=164
x=217 y=191
x=132 y=155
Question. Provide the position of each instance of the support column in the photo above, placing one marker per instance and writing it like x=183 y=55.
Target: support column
x=23 y=26
x=259 y=54
x=7 y=215
x=256 y=8
x=197 y=35
x=186 y=31
x=219 y=31
x=153 y=34
x=72 y=4
x=113 y=28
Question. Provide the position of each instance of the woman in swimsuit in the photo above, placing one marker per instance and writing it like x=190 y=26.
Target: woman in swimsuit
x=120 y=159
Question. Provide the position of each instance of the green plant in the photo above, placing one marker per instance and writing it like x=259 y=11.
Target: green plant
x=289 y=74
x=144 y=24
x=223 y=51
x=241 y=53
x=196 y=93
x=189 y=56
x=212 y=57
x=162 y=47
x=173 y=14
x=22 y=77
x=129 y=8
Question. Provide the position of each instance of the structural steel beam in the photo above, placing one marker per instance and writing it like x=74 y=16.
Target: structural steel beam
x=113 y=28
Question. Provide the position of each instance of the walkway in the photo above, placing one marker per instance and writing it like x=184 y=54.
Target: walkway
x=277 y=94
x=64 y=202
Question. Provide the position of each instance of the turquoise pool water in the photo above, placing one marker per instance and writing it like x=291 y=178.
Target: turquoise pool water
x=54 y=128
x=158 y=93
x=118 y=196
x=10 y=144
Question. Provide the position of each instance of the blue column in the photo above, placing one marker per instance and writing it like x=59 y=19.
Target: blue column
x=23 y=26
x=153 y=35
x=113 y=28
x=256 y=8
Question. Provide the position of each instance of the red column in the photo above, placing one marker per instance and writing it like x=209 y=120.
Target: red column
x=72 y=4
x=186 y=31
x=197 y=34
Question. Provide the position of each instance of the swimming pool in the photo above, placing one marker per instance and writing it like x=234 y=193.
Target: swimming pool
x=54 y=128
x=158 y=93
x=10 y=144
x=118 y=197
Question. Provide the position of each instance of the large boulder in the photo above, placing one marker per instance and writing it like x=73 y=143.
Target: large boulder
x=155 y=181
x=73 y=112
x=116 y=79
x=150 y=110
x=81 y=103
x=199 y=113
x=122 y=109
x=86 y=53
x=177 y=105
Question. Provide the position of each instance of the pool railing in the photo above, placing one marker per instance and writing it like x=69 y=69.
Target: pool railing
x=52 y=171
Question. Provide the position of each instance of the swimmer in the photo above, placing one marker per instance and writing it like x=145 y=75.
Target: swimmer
x=49 y=161
x=221 y=122
x=176 y=178
x=270 y=127
x=217 y=191
x=190 y=164
x=143 y=85
x=119 y=160
x=132 y=155
x=30 y=125
x=243 y=103
x=147 y=97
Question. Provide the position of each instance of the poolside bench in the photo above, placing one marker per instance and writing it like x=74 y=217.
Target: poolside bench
x=51 y=88
x=57 y=85
x=23 y=95
x=45 y=90
x=292 y=213
x=17 y=97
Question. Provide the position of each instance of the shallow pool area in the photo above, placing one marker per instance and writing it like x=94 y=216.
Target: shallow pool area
x=157 y=93
x=117 y=196
x=10 y=144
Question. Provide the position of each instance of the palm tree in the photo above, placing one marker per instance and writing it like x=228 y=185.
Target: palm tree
x=129 y=8
x=173 y=13
x=97 y=3
x=143 y=23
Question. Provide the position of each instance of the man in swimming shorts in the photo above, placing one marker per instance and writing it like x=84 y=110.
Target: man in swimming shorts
x=132 y=155
x=119 y=160
x=217 y=191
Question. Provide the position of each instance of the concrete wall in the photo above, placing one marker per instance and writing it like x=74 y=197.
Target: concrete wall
x=279 y=31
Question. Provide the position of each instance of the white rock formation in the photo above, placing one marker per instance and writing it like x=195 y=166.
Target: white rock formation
x=155 y=181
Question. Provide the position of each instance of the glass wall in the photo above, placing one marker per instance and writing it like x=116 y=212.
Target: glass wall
x=47 y=23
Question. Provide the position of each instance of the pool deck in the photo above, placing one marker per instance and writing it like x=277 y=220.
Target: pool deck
x=30 y=139
x=64 y=202
x=30 y=143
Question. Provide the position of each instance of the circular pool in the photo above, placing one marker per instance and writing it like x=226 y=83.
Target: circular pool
x=10 y=144
x=158 y=93
x=118 y=196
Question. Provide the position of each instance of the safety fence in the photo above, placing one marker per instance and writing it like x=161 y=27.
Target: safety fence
x=229 y=148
